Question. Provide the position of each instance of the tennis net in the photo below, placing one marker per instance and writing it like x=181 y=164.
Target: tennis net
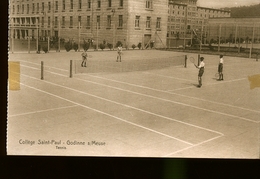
x=108 y=66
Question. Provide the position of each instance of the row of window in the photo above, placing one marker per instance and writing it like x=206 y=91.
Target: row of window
x=87 y=22
x=35 y=7
x=191 y=13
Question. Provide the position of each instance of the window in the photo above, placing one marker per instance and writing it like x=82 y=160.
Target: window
x=13 y=8
x=49 y=6
x=33 y=7
x=79 y=21
x=23 y=20
x=28 y=8
x=56 y=22
x=109 y=3
x=56 y=5
x=27 y=20
x=18 y=8
x=137 y=21
x=63 y=5
x=158 y=23
x=148 y=22
x=22 y=8
x=109 y=21
x=121 y=3
x=88 y=22
x=120 y=21
x=37 y=8
x=71 y=21
x=63 y=22
x=99 y=4
x=42 y=21
x=98 y=22
x=89 y=4
x=71 y=4
x=42 y=6
x=80 y=4
x=149 y=4
x=49 y=21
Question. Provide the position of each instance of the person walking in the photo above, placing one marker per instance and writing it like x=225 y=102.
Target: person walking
x=220 y=68
x=84 y=56
x=119 y=53
x=201 y=71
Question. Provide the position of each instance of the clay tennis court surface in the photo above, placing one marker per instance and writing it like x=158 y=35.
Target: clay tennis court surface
x=150 y=113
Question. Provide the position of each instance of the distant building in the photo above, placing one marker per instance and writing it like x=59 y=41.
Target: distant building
x=186 y=18
x=128 y=21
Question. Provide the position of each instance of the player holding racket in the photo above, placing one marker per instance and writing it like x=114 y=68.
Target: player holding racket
x=119 y=53
x=220 y=68
x=84 y=59
x=201 y=70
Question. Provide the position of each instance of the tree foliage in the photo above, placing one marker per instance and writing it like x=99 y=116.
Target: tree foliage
x=245 y=11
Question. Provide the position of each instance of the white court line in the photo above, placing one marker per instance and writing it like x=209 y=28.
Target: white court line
x=195 y=145
x=107 y=114
x=209 y=84
x=153 y=89
x=183 y=104
x=45 y=70
x=228 y=81
x=128 y=106
x=31 y=67
x=50 y=67
x=167 y=100
x=40 y=111
x=167 y=76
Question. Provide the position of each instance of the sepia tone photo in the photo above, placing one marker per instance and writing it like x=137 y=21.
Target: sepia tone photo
x=134 y=78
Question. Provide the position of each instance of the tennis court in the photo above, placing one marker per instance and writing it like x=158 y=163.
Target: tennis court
x=140 y=113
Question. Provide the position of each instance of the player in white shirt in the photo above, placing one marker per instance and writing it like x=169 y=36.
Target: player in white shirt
x=119 y=53
x=201 y=71
x=84 y=59
x=220 y=67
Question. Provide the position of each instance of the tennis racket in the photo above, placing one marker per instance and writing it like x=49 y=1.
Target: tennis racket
x=217 y=75
x=192 y=60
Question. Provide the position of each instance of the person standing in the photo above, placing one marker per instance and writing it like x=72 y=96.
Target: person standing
x=119 y=53
x=84 y=59
x=201 y=71
x=220 y=68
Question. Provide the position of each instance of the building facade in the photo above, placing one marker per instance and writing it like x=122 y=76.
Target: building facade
x=128 y=21
x=186 y=18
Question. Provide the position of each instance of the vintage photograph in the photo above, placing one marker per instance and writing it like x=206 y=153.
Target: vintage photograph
x=134 y=78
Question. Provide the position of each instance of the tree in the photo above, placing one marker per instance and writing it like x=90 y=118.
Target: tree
x=102 y=46
x=86 y=45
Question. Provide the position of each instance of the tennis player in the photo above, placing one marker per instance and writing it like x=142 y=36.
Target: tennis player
x=84 y=59
x=201 y=70
x=119 y=53
x=220 y=67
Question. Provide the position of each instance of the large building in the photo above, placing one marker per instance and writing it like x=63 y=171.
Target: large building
x=186 y=18
x=128 y=21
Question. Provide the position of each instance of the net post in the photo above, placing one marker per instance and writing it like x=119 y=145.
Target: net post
x=42 y=69
x=70 y=68
x=198 y=59
x=185 y=63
